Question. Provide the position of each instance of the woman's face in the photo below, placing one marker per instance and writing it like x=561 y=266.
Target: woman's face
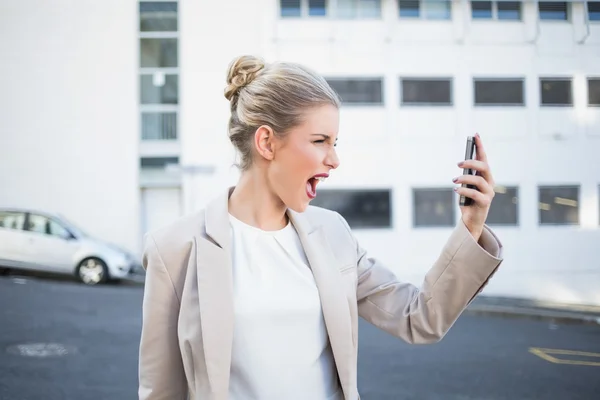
x=304 y=156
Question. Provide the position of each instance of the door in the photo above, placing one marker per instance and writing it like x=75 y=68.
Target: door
x=160 y=207
x=51 y=246
x=13 y=240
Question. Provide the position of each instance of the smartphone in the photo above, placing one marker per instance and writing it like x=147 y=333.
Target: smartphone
x=469 y=155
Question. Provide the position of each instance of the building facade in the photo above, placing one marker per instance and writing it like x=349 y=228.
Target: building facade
x=128 y=99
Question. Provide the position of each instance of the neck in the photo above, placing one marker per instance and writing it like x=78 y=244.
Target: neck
x=254 y=203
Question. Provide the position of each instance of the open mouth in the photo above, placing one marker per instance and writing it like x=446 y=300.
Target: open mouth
x=311 y=185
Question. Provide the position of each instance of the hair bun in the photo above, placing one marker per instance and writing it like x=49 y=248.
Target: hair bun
x=242 y=71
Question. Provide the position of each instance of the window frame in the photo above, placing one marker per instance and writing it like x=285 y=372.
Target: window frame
x=453 y=206
x=380 y=78
x=422 y=14
x=541 y=80
x=558 y=186
x=521 y=79
x=568 y=12
x=495 y=11
x=331 y=8
x=448 y=79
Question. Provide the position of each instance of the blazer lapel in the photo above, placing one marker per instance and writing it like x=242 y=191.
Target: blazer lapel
x=215 y=293
x=334 y=302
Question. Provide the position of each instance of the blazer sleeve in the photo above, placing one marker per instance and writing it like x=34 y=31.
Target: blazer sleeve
x=425 y=314
x=161 y=374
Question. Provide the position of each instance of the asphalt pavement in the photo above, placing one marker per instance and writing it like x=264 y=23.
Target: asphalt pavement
x=62 y=340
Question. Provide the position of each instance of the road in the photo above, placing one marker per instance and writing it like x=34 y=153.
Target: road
x=96 y=330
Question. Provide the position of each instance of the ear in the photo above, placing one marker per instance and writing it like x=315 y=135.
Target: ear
x=264 y=142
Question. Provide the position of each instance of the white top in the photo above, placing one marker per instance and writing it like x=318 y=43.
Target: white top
x=280 y=344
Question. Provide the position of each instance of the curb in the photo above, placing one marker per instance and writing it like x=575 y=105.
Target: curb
x=535 y=314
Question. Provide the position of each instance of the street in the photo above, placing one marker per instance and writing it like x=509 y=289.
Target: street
x=88 y=342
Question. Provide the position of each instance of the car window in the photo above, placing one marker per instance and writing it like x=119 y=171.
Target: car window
x=46 y=226
x=12 y=220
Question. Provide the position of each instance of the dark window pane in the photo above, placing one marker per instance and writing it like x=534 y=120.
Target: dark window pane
x=159 y=89
x=481 y=9
x=593 y=10
x=361 y=91
x=409 y=8
x=509 y=10
x=360 y=208
x=158 y=17
x=158 y=162
x=553 y=10
x=316 y=8
x=594 y=91
x=159 y=126
x=290 y=8
x=505 y=207
x=559 y=205
x=433 y=207
x=158 y=53
x=12 y=220
x=556 y=92
x=499 y=92
x=426 y=91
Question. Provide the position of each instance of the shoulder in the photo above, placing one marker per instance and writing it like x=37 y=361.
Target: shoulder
x=174 y=241
x=333 y=224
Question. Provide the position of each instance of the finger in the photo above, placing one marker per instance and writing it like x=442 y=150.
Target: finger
x=481 y=167
x=481 y=199
x=476 y=180
x=480 y=153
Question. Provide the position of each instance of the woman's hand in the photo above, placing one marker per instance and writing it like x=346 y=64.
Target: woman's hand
x=474 y=216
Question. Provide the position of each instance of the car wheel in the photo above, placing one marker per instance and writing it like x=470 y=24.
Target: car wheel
x=92 y=271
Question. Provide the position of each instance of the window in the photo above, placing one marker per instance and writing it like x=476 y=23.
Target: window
x=159 y=70
x=159 y=126
x=558 y=205
x=433 y=207
x=505 y=207
x=12 y=220
x=553 y=10
x=593 y=9
x=358 y=9
x=426 y=91
x=426 y=9
x=358 y=90
x=159 y=88
x=556 y=92
x=593 y=91
x=158 y=53
x=290 y=8
x=158 y=16
x=500 y=10
x=46 y=226
x=158 y=162
x=360 y=208
x=499 y=92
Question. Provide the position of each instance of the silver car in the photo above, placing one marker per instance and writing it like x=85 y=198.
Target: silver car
x=42 y=241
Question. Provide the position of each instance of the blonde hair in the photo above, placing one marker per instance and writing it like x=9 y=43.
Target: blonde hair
x=275 y=94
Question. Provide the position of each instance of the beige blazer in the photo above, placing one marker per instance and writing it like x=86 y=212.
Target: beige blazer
x=188 y=314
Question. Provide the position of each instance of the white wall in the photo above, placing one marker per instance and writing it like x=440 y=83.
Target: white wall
x=68 y=112
x=403 y=148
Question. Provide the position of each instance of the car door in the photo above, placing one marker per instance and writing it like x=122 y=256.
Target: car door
x=50 y=245
x=13 y=240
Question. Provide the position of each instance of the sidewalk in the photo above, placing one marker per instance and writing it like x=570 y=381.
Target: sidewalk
x=534 y=309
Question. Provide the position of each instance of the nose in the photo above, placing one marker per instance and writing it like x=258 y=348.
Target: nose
x=332 y=160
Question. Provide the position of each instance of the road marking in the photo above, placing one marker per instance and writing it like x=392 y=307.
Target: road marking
x=41 y=350
x=547 y=354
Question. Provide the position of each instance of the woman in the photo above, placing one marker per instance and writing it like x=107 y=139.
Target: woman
x=258 y=295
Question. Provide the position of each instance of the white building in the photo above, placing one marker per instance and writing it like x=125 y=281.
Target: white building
x=100 y=98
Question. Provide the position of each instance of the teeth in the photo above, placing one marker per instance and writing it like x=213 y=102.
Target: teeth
x=320 y=178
